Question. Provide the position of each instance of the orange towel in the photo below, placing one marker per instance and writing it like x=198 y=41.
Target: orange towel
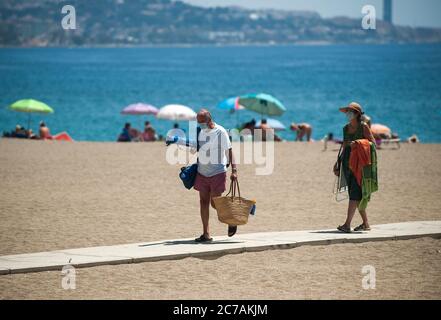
x=360 y=157
x=63 y=136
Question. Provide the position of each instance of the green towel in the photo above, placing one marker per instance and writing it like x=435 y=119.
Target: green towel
x=369 y=181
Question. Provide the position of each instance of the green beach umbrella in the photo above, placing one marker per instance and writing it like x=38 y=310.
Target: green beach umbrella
x=262 y=103
x=30 y=106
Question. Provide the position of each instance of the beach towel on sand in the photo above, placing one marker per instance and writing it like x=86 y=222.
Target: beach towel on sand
x=363 y=164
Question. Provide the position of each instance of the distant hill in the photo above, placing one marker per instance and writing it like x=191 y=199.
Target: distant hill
x=162 y=22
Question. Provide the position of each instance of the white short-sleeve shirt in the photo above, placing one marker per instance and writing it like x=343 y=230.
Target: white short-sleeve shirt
x=213 y=146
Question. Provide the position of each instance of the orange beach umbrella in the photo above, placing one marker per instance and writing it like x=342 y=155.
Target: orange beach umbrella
x=380 y=129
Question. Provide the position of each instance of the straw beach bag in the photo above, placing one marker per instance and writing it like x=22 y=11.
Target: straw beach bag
x=233 y=210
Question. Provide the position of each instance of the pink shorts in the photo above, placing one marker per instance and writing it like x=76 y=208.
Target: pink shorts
x=214 y=185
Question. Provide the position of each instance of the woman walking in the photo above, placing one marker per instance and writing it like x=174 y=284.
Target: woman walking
x=353 y=133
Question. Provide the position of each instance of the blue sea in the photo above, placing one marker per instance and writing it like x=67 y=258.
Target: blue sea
x=398 y=85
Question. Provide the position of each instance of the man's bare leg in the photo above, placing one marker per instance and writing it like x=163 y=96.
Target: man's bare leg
x=204 y=200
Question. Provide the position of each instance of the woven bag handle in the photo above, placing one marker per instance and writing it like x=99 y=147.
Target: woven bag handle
x=238 y=189
x=233 y=189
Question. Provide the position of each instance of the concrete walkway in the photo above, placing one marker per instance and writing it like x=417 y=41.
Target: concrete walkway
x=182 y=248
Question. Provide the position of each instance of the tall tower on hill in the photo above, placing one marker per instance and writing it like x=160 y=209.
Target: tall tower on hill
x=387 y=11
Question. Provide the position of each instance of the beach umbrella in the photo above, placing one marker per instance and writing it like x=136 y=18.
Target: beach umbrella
x=30 y=106
x=380 y=129
x=273 y=124
x=140 y=109
x=176 y=112
x=262 y=103
x=231 y=104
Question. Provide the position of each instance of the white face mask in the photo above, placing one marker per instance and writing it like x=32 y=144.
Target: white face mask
x=350 y=115
x=203 y=126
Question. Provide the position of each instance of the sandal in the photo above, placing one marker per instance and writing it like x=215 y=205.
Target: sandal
x=344 y=229
x=361 y=227
x=232 y=230
x=203 y=238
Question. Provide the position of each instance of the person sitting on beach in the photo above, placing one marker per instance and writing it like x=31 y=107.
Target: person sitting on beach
x=125 y=134
x=413 y=139
x=354 y=130
x=266 y=130
x=135 y=134
x=247 y=130
x=20 y=132
x=176 y=128
x=149 y=134
x=249 y=125
x=31 y=135
x=302 y=129
x=45 y=133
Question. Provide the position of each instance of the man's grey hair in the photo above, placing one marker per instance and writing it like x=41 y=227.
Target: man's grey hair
x=206 y=114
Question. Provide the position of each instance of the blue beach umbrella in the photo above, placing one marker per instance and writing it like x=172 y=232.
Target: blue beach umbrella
x=262 y=103
x=230 y=104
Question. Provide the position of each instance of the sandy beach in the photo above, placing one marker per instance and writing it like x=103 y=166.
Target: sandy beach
x=67 y=195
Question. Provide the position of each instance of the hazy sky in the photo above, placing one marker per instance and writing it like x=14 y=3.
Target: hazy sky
x=405 y=12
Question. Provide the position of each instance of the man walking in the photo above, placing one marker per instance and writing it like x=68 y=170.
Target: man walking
x=215 y=152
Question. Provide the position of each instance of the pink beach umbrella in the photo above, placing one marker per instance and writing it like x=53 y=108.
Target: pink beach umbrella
x=140 y=109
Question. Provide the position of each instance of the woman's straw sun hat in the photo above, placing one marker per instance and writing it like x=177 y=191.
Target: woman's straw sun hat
x=353 y=106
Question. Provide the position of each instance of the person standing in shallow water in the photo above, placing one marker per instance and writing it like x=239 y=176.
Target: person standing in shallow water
x=354 y=130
